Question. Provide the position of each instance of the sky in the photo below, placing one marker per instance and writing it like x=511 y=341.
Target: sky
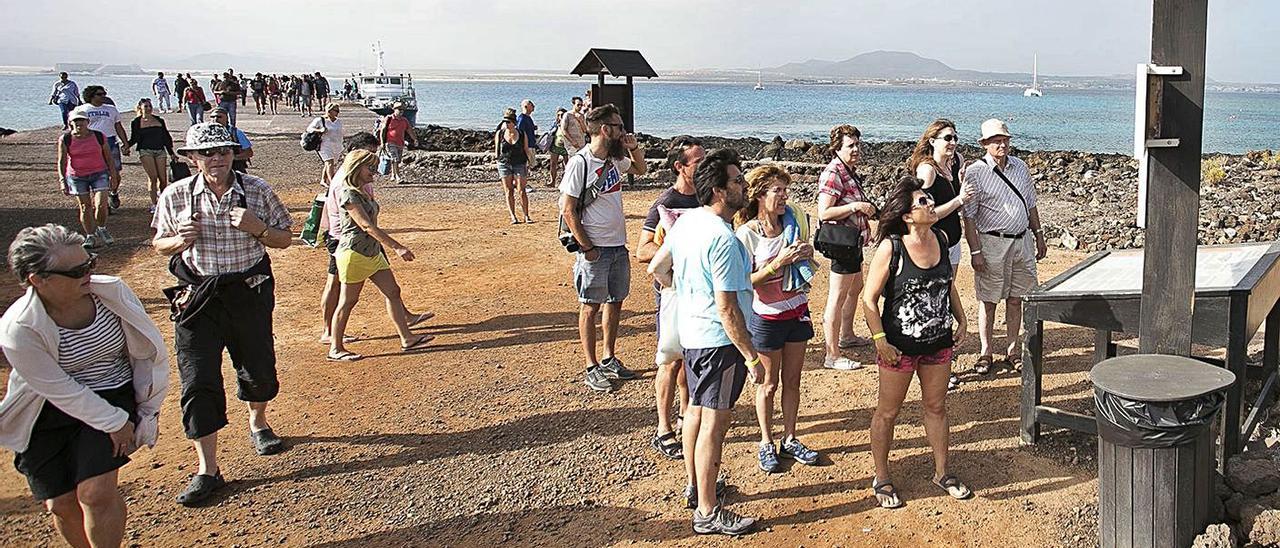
x=1072 y=38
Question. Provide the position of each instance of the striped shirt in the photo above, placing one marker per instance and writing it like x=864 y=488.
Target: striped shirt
x=995 y=207
x=95 y=356
x=220 y=248
x=771 y=302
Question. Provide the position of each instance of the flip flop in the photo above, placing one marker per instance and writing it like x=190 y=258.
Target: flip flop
x=344 y=356
x=345 y=339
x=887 y=495
x=417 y=344
x=421 y=318
x=984 y=364
x=954 y=487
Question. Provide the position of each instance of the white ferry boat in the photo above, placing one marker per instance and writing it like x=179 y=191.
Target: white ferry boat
x=380 y=91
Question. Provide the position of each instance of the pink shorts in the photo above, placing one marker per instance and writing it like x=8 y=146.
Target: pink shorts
x=908 y=364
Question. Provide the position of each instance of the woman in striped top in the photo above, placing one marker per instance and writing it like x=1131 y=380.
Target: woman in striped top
x=89 y=373
x=777 y=237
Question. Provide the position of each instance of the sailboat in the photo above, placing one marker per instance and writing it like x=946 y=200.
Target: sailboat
x=1034 y=90
x=759 y=81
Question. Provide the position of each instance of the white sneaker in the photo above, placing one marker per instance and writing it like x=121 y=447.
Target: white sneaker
x=105 y=236
x=841 y=364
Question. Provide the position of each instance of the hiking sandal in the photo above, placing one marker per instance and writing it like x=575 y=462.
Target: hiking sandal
x=669 y=446
x=984 y=364
x=887 y=495
x=954 y=487
x=1014 y=361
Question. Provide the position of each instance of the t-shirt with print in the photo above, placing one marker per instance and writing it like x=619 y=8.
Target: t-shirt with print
x=161 y=86
x=603 y=219
x=102 y=119
x=351 y=236
x=707 y=258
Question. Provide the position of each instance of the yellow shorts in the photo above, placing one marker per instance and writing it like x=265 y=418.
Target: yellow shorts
x=354 y=267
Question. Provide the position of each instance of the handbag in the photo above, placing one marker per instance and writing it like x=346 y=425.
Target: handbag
x=178 y=170
x=588 y=195
x=311 y=228
x=311 y=139
x=669 y=347
x=837 y=241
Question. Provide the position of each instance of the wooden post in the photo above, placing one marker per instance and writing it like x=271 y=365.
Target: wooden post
x=1173 y=186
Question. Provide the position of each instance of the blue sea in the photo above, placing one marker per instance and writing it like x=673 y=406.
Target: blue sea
x=1089 y=120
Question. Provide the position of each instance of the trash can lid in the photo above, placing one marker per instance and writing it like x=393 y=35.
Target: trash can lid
x=1159 y=377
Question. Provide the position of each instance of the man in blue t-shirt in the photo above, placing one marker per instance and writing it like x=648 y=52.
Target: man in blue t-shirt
x=711 y=270
x=524 y=123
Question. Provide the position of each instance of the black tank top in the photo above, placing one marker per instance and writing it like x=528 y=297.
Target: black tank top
x=917 y=304
x=512 y=153
x=944 y=191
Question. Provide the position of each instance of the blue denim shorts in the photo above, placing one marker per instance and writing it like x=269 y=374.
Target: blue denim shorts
x=115 y=152
x=513 y=170
x=83 y=186
x=604 y=280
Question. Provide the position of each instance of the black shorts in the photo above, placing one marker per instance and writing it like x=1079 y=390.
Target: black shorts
x=715 y=376
x=331 y=244
x=65 y=451
x=237 y=319
x=772 y=335
x=850 y=264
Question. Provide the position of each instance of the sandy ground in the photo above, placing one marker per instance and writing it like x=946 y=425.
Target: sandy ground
x=490 y=438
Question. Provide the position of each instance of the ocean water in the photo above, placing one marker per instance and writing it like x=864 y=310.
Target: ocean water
x=1090 y=120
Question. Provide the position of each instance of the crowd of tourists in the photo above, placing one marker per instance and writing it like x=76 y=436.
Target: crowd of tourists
x=732 y=262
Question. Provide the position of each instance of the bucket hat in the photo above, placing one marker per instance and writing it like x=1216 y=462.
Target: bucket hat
x=208 y=135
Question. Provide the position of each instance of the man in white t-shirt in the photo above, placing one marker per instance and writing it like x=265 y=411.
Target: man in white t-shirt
x=160 y=87
x=602 y=273
x=105 y=119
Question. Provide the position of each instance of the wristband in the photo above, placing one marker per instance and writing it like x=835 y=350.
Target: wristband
x=263 y=234
x=878 y=336
x=753 y=361
x=976 y=252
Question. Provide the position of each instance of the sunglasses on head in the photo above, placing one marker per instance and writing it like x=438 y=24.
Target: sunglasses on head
x=949 y=137
x=211 y=152
x=79 y=271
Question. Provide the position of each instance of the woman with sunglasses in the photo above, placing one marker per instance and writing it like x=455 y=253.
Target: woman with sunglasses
x=512 y=149
x=150 y=135
x=912 y=331
x=361 y=257
x=81 y=399
x=939 y=166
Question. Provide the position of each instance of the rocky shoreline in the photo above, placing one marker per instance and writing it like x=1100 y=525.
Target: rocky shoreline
x=1088 y=201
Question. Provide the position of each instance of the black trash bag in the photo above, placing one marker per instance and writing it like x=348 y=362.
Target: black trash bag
x=1153 y=425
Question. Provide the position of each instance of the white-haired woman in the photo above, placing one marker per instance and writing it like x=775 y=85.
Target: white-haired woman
x=90 y=370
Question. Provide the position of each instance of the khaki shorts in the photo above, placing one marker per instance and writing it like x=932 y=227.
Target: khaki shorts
x=1011 y=268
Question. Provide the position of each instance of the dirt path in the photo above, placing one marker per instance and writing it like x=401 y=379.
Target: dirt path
x=490 y=438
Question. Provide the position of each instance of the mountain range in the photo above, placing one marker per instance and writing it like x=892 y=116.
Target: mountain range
x=895 y=65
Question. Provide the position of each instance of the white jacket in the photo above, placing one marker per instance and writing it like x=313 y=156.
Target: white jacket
x=30 y=342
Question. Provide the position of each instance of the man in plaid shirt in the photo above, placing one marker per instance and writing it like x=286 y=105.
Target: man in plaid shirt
x=216 y=226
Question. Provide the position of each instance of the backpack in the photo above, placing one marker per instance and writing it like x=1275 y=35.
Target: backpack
x=546 y=140
x=311 y=140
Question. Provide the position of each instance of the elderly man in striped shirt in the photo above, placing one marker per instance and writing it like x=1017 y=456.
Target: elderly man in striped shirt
x=997 y=221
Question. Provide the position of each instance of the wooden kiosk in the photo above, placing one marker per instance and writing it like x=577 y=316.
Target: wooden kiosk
x=619 y=63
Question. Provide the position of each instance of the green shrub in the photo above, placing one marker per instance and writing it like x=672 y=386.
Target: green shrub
x=1213 y=170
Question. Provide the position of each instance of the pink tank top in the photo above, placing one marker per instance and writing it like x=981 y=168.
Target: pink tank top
x=84 y=156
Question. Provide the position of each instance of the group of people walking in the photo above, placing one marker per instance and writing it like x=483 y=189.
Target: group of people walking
x=733 y=262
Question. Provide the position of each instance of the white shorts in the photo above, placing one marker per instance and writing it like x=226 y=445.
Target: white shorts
x=1011 y=268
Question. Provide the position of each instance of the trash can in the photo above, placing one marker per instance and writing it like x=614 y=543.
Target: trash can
x=1155 y=450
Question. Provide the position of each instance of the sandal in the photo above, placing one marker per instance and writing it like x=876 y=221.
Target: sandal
x=853 y=342
x=200 y=488
x=669 y=446
x=887 y=495
x=417 y=344
x=266 y=442
x=984 y=364
x=421 y=318
x=1014 y=362
x=344 y=356
x=954 y=487
x=953 y=383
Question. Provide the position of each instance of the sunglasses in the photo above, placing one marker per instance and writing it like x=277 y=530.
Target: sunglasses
x=211 y=152
x=79 y=271
x=949 y=137
x=100 y=94
x=923 y=201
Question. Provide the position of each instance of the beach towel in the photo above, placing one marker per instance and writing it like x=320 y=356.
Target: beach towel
x=797 y=276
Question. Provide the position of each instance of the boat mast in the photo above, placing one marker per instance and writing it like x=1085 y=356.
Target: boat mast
x=1035 y=71
x=377 y=51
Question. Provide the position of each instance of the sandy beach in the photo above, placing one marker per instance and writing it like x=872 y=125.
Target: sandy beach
x=490 y=438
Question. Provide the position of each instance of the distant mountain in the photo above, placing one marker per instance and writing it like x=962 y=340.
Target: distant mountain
x=893 y=65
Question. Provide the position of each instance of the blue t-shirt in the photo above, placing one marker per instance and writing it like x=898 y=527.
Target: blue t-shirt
x=706 y=258
x=525 y=124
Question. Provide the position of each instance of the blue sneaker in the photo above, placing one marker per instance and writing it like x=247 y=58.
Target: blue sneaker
x=768 y=458
x=796 y=450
